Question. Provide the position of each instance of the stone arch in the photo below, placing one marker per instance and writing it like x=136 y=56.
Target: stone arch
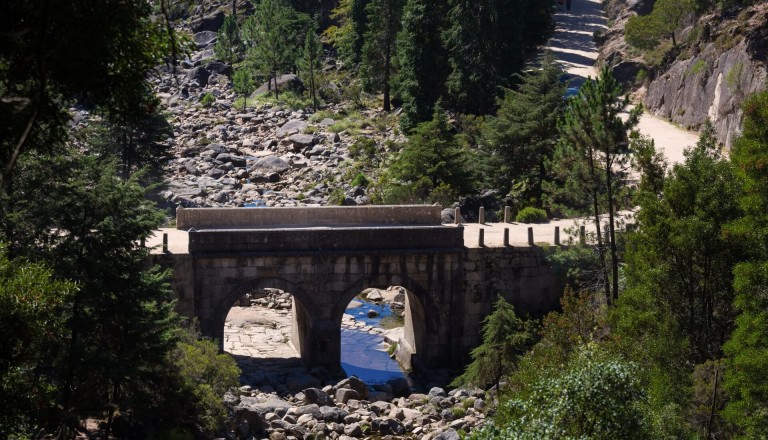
x=301 y=325
x=417 y=303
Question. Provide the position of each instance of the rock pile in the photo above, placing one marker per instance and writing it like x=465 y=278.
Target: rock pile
x=227 y=155
x=350 y=410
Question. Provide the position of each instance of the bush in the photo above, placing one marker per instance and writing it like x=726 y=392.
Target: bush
x=531 y=215
x=207 y=100
x=360 y=180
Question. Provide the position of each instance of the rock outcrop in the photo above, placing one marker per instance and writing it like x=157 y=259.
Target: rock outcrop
x=718 y=64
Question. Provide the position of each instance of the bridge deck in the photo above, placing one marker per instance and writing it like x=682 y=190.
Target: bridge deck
x=178 y=240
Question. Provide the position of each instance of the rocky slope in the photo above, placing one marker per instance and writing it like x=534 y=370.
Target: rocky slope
x=720 y=62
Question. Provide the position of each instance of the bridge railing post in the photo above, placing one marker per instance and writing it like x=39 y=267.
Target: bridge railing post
x=506 y=237
x=557 y=235
x=530 y=236
x=165 y=242
x=481 y=216
x=507 y=214
x=457 y=216
x=481 y=238
x=582 y=235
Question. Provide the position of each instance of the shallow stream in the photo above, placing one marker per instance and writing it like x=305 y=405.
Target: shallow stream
x=363 y=353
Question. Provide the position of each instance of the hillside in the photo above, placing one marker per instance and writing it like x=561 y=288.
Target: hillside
x=720 y=59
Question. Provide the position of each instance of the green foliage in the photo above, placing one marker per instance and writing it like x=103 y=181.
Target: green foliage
x=596 y=396
x=531 y=215
x=229 y=46
x=33 y=313
x=206 y=375
x=379 y=50
x=360 y=180
x=681 y=247
x=364 y=151
x=242 y=83
x=348 y=39
x=207 y=100
x=42 y=68
x=423 y=60
x=269 y=38
x=523 y=134
x=336 y=197
x=747 y=347
x=310 y=60
x=645 y=32
x=494 y=35
x=505 y=339
x=430 y=159
x=650 y=163
x=591 y=162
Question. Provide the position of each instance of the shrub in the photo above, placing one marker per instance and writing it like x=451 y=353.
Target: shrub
x=360 y=180
x=531 y=215
x=207 y=100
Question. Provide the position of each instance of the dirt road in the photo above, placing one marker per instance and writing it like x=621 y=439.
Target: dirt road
x=574 y=46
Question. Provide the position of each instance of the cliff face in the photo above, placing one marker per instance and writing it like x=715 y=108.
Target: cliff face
x=710 y=85
x=720 y=62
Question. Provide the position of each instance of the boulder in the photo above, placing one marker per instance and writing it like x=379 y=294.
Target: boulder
x=302 y=140
x=291 y=127
x=219 y=68
x=388 y=426
x=374 y=295
x=343 y=395
x=199 y=75
x=211 y=22
x=356 y=384
x=317 y=396
x=311 y=409
x=284 y=82
x=238 y=161
x=448 y=434
x=436 y=392
x=332 y=414
x=270 y=164
x=204 y=38
x=400 y=387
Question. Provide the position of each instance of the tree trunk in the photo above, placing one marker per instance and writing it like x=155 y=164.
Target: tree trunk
x=612 y=227
x=312 y=87
x=387 y=63
x=234 y=8
x=596 y=213
x=274 y=74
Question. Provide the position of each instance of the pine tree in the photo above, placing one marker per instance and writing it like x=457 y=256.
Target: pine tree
x=348 y=39
x=269 y=36
x=33 y=315
x=379 y=49
x=523 y=134
x=747 y=348
x=591 y=159
x=242 y=82
x=432 y=160
x=505 y=339
x=310 y=60
x=423 y=60
x=229 y=46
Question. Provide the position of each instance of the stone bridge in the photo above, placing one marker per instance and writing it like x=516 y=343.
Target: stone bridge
x=325 y=256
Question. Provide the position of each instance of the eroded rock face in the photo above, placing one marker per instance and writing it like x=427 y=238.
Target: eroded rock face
x=711 y=85
x=720 y=63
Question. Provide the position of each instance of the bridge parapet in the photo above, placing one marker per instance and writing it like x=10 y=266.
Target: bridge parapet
x=297 y=217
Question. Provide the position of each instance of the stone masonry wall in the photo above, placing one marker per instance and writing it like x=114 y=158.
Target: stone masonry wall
x=521 y=274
